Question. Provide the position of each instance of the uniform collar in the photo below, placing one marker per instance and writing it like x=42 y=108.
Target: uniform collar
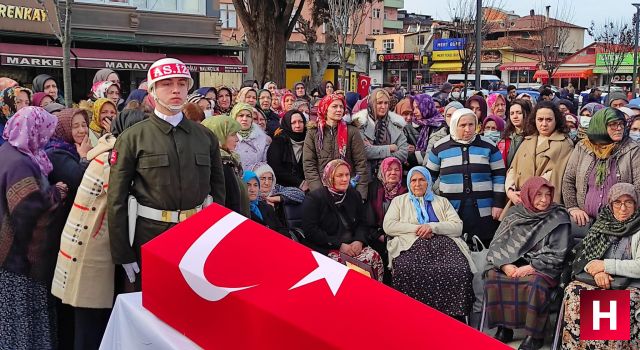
x=165 y=127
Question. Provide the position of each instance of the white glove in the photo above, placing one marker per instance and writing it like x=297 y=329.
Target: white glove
x=131 y=270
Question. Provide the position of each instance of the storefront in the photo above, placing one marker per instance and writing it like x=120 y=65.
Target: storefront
x=623 y=76
x=519 y=74
x=401 y=68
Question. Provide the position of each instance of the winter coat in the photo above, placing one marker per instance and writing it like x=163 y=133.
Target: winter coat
x=282 y=160
x=253 y=149
x=376 y=153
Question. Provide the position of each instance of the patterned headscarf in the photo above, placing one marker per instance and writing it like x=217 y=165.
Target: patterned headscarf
x=95 y=118
x=7 y=83
x=390 y=190
x=530 y=188
x=241 y=106
x=592 y=107
x=404 y=105
x=262 y=168
x=99 y=89
x=431 y=119
x=284 y=96
x=219 y=110
x=329 y=173
x=8 y=101
x=342 y=135
x=599 y=142
x=65 y=120
x=253 y=205
x=29 y=130
x=243 y=94
x=421 y=211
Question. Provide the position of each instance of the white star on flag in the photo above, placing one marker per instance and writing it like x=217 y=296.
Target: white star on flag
x=332 y=271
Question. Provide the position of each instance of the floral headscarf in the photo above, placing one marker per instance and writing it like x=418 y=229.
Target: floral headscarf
x=63 y=138
x=8 y=101
x=99 y=89
x=329 y=172
x=7 y=83
x=95 y=118
x=29 y=130
x=284 y=97
x=492 y=99
x=219 y=110
x=421 y=210
x=431 y=119
x=342 y=135
x=390 y=190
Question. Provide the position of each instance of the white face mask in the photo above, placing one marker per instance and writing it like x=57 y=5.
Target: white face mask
x=584 y=121
x=634 y=135
x=208 y=113
x=455 y=95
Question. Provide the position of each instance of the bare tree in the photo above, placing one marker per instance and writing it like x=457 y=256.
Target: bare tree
x=62 y=30
x=319 y=53
x=616 y=40
x=268 y=26
x=551 y=35
x=345 y=19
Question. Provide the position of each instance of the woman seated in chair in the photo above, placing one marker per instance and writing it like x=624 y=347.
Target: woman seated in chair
x=525 y=260
x=334 y=218
x=607 y=258
x=261 y=212
x=429 y=260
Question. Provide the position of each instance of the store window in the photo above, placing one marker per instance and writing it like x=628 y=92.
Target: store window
x=228 y=16
x=177 y=6
x=521 y=76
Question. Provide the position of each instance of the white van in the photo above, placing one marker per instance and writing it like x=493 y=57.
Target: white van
x=485 y=80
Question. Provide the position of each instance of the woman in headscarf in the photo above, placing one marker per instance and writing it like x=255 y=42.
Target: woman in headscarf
x=253 y=141
x=382 y=131
x=226 y=130
x=426 y=120
x=205 y=105
x=7 y=83
x=544 y=152
x=335 y=221
x=264 y=103
x=45 y=83
x=87 y=283
x=492 y=128
x=585 y=114
x=300 y=91
x=513 y=134
x=524 y=263
x=285 y=152
x=27 y=319
x=404 y=108
x=106 y=74
x=261 y=212
x=223 y=101
x=106 y=89
x=429 y=260
x=286 y=102
x=208 y=92
x=476 y=190
x=104 y=111
x=12 y=99
x=608 y=258
x=497 y=104
x=478 y=105
x=40 y=99
x=602 y=159
x=333 y=139
x=325 y=88
x=247 y=95
x=276 y=102
x=271 y=86
x=136 y=95
x=273 y=192
x=447 y=112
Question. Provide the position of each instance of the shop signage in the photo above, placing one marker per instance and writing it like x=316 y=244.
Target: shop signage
x=16 y=60
x=448 y=44
x=603 y=60
x=23 y=13
x=28 y=16
x=452 y=55
x=398 y=57
x=216 y=69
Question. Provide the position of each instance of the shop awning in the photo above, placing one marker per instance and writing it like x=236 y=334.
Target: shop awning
x=519 y=66
x=212 y=64
x=446 y=67
x=116 y=60
x=31 y=55
x=564 y=73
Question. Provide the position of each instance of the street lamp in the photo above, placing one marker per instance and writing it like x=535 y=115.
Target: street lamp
x=635 y=51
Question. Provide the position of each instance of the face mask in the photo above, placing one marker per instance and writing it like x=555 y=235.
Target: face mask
x=584 y=121
x=573 y=134
x=493 y=135
x=208 y=113
x=634 y=135
x=455 y=95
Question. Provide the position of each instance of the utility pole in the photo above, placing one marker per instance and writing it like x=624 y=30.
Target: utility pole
x=479 y=42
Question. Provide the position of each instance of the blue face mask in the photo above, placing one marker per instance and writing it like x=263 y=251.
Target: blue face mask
x=573 y=134
x=493 y=135
x=634 y=135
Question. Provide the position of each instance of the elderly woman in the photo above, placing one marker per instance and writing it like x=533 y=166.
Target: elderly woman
x=333 y=139
x=106 y=74
x=261 y=212
x=476 y=190
x=492 y=128
x=247 y=95
x=104 y=111
x=429 y=260
x=447 y=112
x=425 y=122
x=271 y=191
x=404 y=108
x=608 y=258
x=334 y=219
x=382 y=130
x=254 y=142
x=12 y=99
x=286 y=102
x=223 y=101
x=226 y=130
x=544 y=152
x=300 y=91
x=285 y=152
x=497 y=104
x=525 y=260
x=45 y=83
x=586 y=113
x=27 y=319
x=605 y=157
x=325 y=88
x=264 y=104
x=513 y=134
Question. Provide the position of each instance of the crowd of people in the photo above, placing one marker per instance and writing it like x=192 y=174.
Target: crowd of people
x=400 y=183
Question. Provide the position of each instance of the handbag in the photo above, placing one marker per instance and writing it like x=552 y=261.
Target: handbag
x=479 y=258
x=618 y=282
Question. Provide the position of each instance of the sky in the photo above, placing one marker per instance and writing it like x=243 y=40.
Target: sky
x=582 y=11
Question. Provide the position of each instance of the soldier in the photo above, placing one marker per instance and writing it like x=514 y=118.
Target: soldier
x=163 y=169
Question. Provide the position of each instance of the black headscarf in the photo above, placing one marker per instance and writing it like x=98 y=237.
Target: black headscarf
x=125 y=119
x=285 y=125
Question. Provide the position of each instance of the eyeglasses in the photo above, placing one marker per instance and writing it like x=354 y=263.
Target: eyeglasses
x=265 y=179
x=627 y=204
x=616 y=125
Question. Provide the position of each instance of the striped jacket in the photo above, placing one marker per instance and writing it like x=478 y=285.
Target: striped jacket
x=475 y=171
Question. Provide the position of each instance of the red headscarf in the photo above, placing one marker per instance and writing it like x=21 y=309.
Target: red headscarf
x=530 y=188
x=342 y=137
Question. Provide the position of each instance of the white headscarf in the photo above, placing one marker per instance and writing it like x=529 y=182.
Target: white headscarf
x=453 y=125
x=262 y=168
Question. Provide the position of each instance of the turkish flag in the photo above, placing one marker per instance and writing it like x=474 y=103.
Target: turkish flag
x=364 y=82
x=227 y=282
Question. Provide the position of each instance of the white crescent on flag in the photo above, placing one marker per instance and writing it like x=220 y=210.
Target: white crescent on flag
x=192 y=263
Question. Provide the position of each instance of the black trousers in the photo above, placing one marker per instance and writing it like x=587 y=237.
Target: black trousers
x=474 y=224
x=90 y=325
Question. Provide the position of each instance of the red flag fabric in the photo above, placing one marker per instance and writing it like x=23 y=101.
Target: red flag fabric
x=227 y=282
x=364 y=82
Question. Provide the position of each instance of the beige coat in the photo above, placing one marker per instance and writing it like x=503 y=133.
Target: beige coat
x=84 y=275
x=401 y=223
x=549 y=160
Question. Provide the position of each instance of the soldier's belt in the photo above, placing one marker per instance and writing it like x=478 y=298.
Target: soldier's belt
x=174 y=216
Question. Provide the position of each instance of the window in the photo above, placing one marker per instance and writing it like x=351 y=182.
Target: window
x=521 y=76
x=177 y=6
x=388 y=45
x=228 y=16
x=420 y=39
x=376 y=31
x=376 y=13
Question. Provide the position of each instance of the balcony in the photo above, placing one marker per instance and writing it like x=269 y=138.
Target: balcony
x=399 y=4
x=392 y=24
